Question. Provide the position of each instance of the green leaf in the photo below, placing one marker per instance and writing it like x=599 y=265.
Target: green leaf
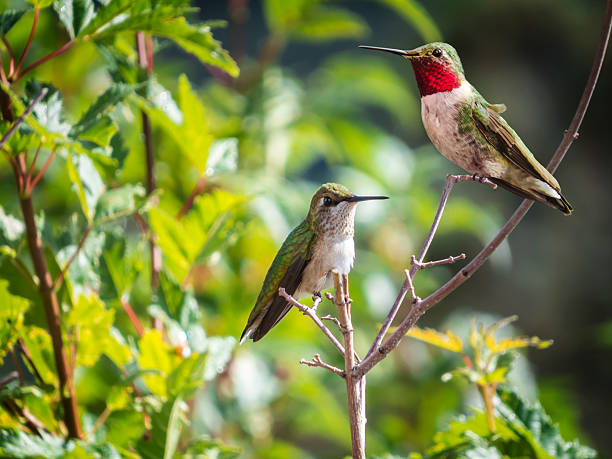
x=325 y=23
x=535 y=426
x=75 y=15
x=190 y=131
x=187 y=377
x=91 y=322
x=199 y=41
x=106 y=14
x=156 y=354
x=222 y=157
x=94 y=125
x=119 y=151
x=86 y=182
x=11 y=317
x=310 y=20
x=19 y=444
x=38 y=342
x=11 y=228
x=447 y=340
x=209 y=225
x=167 y=425
x=118 y=202
x=124 y=428
x=127 y=15
x=219 y=352
x=48 y=112
x=8 y=18
x=40 y=3
x=345 y=85
x=164 y=21
x=208 y=447
x=417 y=16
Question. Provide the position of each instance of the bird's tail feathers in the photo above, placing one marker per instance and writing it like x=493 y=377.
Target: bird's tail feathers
x=556 y=202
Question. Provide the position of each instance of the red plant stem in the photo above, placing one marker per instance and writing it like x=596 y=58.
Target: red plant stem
x=188 y=204
x=17 y=366
x=26 y=353
x=30 y=187
x=30 y=38
x=51 y=306
x=144 y=46
x=60 y=278
x=132 y=316
x=49 y=299
x=11 y=55
x=65 y=47
x=420 y=307
x=28 y=178
x=3 y=75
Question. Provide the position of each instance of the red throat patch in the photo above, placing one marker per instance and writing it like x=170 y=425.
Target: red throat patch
x=433 y=77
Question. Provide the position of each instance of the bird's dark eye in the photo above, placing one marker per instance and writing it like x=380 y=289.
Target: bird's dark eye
x=327 y=201
x=437 y=52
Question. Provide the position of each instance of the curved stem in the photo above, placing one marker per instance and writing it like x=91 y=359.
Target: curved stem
x=42 y=60
x=9 y=48
x=30 y=38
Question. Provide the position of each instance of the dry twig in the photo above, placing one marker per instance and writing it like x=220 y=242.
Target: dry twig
x=313 y=315
x=317 y=362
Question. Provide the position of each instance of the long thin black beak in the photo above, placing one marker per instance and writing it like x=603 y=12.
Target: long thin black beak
x=400 y=52
x=365 y=198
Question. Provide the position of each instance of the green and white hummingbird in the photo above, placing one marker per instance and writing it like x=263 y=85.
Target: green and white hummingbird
x=470 y=132
x=303 y=265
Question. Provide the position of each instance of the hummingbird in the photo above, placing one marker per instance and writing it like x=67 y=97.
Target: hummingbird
x=303 y=265
x=470 y=132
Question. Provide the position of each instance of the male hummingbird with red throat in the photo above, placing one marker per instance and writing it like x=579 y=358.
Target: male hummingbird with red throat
x=470 y=132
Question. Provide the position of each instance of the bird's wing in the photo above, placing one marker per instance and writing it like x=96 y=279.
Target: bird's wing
x=286 y=271
x=502 y=138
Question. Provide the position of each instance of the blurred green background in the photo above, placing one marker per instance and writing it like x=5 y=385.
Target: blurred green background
x=309 y=107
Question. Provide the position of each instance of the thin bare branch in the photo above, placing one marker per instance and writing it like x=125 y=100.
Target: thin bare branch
x=331 y=319
x=317 y=362
x=450 y=182
x=431 y=264
x=410 y=284
x=312 y=314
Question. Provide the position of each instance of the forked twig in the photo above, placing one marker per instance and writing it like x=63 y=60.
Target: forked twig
x=317 y=362
x=312 y=314
x=450 y=182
